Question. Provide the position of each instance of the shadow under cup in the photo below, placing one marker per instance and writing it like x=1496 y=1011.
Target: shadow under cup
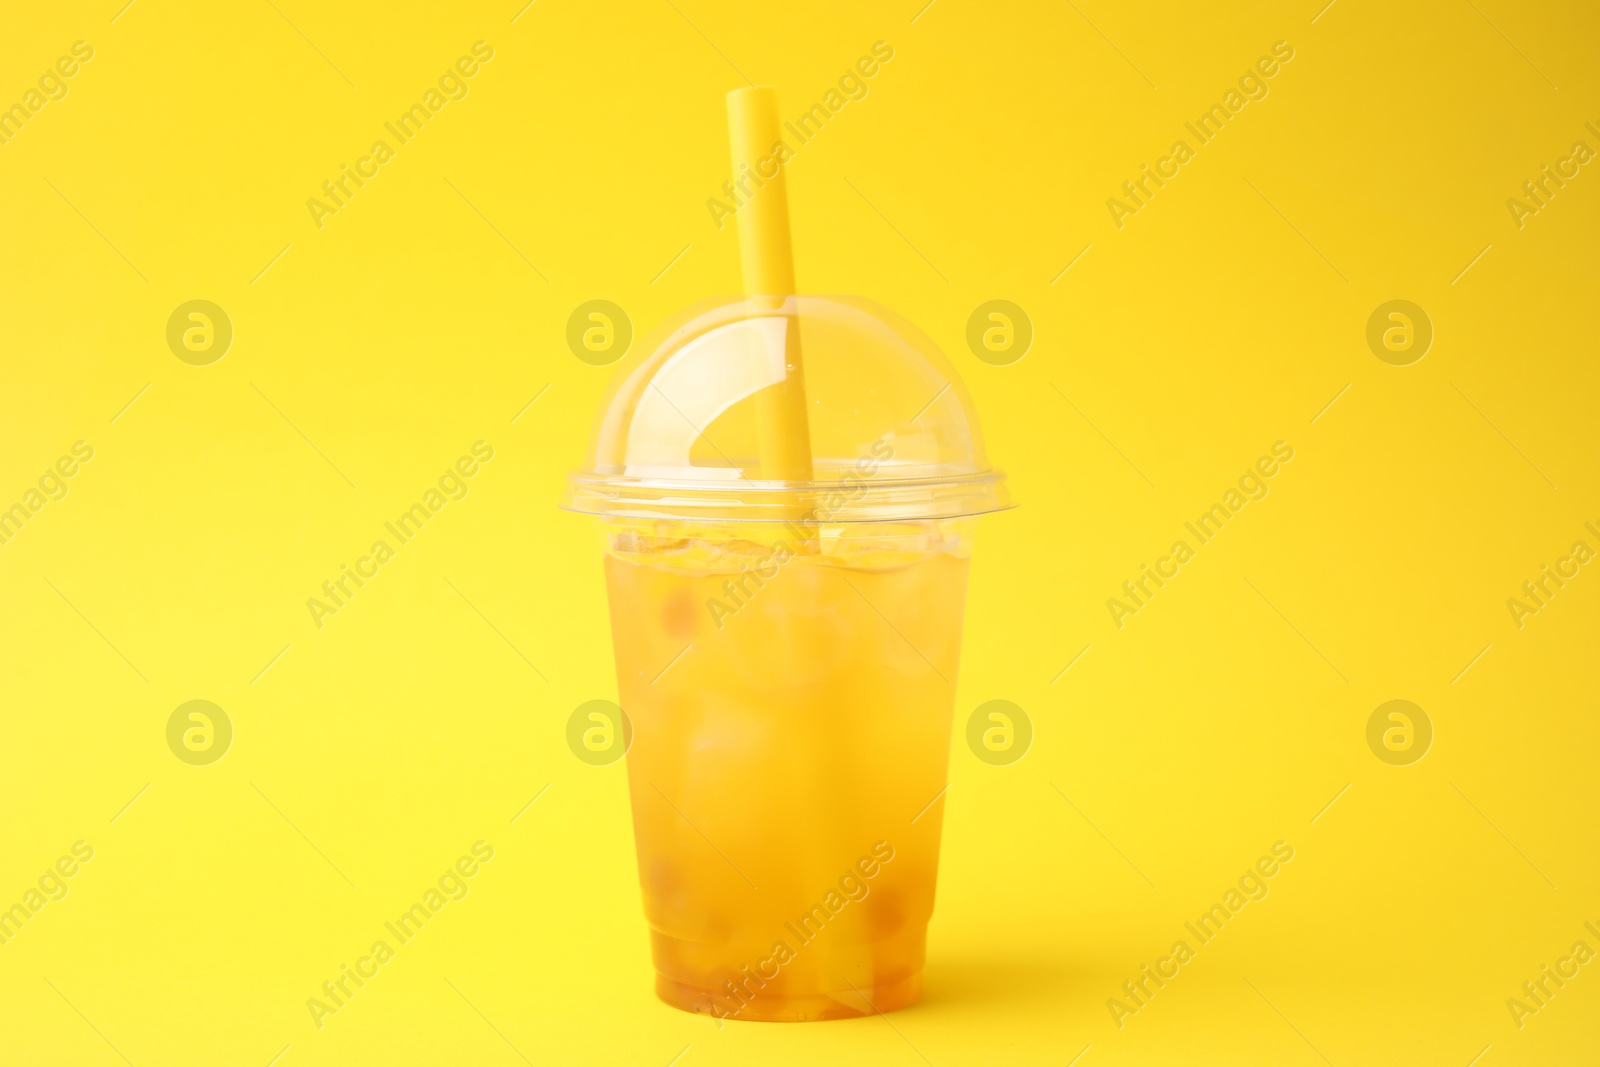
x=791 y=700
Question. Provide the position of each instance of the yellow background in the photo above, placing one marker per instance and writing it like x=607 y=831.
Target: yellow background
x=1222 y=718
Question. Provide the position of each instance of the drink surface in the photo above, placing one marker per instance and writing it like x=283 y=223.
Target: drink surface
x=791 y=704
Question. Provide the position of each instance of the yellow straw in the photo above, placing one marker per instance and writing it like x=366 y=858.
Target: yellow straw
x=782 y=432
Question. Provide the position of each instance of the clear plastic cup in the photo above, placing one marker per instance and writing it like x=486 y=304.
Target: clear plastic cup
x=786 y=650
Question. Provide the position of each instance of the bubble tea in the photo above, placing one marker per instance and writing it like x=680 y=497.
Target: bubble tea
x=787 y=488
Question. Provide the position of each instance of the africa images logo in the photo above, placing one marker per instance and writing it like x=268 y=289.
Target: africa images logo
x=452 y=85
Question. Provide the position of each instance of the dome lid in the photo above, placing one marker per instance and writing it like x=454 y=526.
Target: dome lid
x=686 y=429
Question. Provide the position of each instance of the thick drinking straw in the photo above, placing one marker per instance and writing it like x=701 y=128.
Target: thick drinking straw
x=783 y=435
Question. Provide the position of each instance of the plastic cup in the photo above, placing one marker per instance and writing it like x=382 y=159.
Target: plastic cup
x=787 y=650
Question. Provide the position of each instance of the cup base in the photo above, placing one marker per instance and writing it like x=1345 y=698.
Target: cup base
x=775 y=1007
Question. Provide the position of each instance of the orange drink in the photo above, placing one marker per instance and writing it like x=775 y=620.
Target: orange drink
x=791 y=703
x=786 y=624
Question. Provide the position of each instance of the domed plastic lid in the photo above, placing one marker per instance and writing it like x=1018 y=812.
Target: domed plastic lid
x=776 y=408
